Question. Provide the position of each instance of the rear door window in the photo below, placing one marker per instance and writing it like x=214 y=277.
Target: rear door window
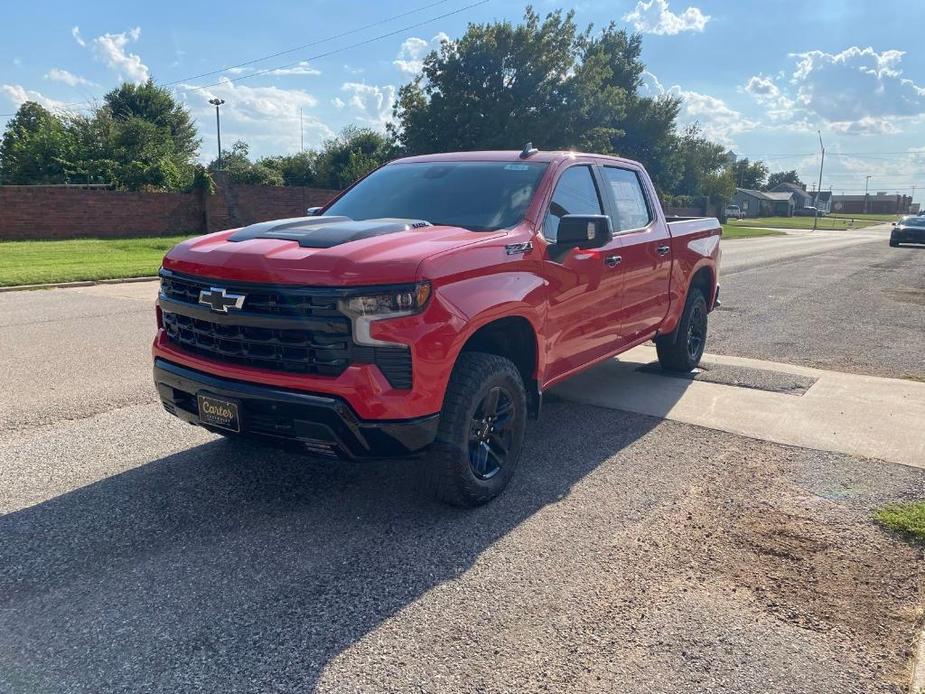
x=631 y=211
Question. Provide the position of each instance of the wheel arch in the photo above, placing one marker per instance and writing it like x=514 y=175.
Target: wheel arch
x=514 y=338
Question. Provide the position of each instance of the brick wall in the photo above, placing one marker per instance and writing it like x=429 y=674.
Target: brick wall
x=40 y=212
x=239 y=205
x=49 y=212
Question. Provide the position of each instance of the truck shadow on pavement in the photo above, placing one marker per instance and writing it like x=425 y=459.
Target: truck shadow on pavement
x=228 y=567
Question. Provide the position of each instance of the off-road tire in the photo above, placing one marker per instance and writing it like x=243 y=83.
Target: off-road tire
x=675 y=351
x=450 y=474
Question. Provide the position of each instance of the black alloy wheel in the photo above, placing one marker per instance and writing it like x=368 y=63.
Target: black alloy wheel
x=492 y=433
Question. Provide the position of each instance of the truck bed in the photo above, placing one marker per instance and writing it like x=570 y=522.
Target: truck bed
x=693 y=226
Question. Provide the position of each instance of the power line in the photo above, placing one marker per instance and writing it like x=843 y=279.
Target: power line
x=335 y=50
x=298 y=48
x=307 y=45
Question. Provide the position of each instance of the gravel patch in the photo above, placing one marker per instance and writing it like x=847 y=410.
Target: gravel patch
x=740 y=377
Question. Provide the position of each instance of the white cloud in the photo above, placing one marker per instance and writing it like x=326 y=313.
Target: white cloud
x=373 y=104
x=654 y=17
x=719 y=122
x=69 y=78
x=857 y=85
x=650 y=86
x=413 y=50
x=865 y=126
x=20 y=95
x=111 y=49
x=766 y=92
x=354 y=70
x=75 y=32
x=302 y=68
x=338 y=102
x=267 y=118
x=238 y=70
x=855 y=92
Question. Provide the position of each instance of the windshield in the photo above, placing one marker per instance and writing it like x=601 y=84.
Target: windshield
x=913 y=221
x=476 y=195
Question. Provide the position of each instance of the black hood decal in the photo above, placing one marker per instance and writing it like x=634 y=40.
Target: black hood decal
x=324 y=232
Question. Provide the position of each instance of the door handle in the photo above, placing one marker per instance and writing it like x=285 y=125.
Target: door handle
x=663 y=250
x=613 y=260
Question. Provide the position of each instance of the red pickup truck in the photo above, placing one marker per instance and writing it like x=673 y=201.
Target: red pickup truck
x=429 y=306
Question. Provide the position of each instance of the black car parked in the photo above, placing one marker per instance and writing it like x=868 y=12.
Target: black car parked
x=909 y=229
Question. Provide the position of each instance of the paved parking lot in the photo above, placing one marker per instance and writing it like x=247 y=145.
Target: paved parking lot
x=630 y=554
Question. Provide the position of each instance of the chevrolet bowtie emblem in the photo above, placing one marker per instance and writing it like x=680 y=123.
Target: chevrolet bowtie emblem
x=218 y=299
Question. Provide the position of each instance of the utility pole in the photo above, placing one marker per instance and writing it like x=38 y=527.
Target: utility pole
x=218 y=128
x=821 y=164
x=866 y=194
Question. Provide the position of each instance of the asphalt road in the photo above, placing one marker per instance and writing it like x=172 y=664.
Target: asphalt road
x=630 y=553
x=765 y=251
x=859 y=306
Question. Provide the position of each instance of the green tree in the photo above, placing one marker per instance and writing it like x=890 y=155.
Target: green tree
x=751 y=175
x=238 y=168
x=296 y=169
x=35 y=147
x=495 y=88
x=542 y=81
x=702 y=163
x=148 y=135
x=157 y=106
x=351 y=155
x=778 y=177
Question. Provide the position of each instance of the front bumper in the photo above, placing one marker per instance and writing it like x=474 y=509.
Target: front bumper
x=908 y=235
x=318 y=424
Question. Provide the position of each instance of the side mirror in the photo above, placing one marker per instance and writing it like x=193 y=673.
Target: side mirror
x=583 y=231
x=313 y=211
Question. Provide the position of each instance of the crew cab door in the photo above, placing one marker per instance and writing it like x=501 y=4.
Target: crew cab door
x=646 y=251
x=583 y=285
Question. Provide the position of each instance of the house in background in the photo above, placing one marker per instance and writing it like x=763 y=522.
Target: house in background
x=801 y=198
x=823 y=200
x=757 y=203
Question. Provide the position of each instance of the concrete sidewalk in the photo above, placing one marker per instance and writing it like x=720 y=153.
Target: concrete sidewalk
x=847 y=413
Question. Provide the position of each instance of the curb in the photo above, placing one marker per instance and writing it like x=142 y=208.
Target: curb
x=917 y=679
x=68 y=285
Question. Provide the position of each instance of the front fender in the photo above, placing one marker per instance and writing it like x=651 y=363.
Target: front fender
x=483 y=300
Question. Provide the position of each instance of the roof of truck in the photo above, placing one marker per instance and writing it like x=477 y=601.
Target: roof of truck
x=508 y=155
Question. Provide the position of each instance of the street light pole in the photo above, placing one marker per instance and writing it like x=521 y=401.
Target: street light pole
x=866 y=194
x=218 y=128
x=819 y=189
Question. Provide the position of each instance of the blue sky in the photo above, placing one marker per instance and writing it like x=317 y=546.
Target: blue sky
x=761 y=77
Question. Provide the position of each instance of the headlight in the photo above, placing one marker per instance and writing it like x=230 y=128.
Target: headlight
x=392 y=303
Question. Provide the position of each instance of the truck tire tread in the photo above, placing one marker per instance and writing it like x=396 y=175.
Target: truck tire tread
x=449 y=475
x=672 y=349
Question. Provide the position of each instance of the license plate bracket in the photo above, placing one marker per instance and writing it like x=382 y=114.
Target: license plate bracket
x=220 y=412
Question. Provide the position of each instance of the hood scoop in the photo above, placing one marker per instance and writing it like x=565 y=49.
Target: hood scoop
x=325 y=232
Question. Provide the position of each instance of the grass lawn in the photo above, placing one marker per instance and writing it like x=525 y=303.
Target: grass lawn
x=741 y=232
x=38 y=262
x=907 y=518
x=834 y=221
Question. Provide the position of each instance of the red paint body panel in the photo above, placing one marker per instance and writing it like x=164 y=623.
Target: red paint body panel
x=581 y=310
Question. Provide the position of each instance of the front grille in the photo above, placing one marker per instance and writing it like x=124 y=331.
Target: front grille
x=324 y=349
x=294 y=351
x=303 y=303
